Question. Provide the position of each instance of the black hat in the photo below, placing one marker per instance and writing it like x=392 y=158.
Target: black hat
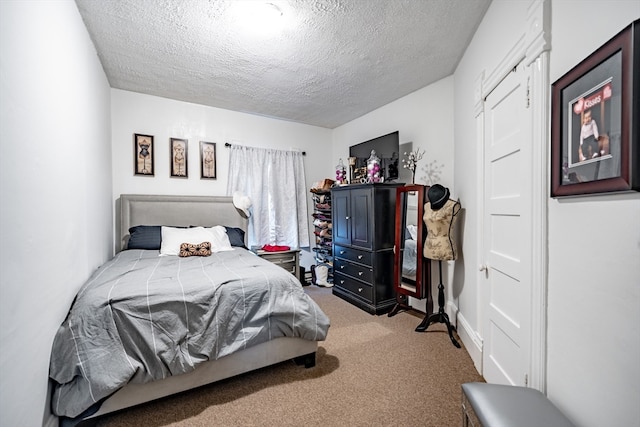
x=438 y=196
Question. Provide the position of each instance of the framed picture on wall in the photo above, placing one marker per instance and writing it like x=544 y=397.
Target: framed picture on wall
x=594 y=121
x=178 y=155
x=143 y=154
x=207 y=160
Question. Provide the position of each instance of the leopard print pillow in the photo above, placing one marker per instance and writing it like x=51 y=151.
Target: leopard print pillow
x=191 y=249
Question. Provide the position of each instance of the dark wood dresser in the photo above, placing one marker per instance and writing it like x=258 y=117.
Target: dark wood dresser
x=363 y=238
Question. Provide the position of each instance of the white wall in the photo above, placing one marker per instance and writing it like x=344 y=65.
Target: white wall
x=424 y=118
x=594 y=261
x=498 y=32
x=165 y=118
x=55 y=170
x=593 y=343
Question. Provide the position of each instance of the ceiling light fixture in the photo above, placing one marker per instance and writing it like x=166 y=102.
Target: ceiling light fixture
x=272 y=10
x=259 y=17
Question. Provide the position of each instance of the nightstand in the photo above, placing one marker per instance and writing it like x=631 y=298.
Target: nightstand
x=289 y=260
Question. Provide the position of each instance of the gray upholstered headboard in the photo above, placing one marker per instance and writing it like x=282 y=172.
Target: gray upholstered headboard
x=207 y=211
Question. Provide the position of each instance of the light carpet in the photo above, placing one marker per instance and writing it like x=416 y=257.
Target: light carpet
x=370 y=371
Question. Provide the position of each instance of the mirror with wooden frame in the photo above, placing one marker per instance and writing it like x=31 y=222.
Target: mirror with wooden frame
x=412 y=271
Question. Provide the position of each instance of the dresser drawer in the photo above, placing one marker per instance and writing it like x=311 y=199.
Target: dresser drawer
x=287 y=259
x=289 y=266
x=281 y=258
x=363 y=290
x=351 y=254
x=362 y=272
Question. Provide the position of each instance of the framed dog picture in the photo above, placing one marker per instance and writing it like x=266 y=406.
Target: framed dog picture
x=143 y=154
x=178 y=155
x=594 y=121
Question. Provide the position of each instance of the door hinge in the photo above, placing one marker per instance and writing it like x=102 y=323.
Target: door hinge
x=526 y=380
x=528 y=100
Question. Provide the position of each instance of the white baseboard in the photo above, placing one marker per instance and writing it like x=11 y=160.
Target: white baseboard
x=418 y=304
x=471 y=340
x=452 y=311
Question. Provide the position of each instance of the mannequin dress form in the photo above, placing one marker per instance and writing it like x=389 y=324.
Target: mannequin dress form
x=440 y=215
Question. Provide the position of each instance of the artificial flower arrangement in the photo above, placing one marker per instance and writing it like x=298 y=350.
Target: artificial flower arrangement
x=411 y=162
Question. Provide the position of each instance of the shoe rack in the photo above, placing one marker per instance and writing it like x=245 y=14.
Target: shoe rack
x=323 y=229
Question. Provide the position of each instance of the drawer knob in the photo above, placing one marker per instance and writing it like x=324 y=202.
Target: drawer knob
x=341 y=252
x=342 y=282
x=341 y=267
x=359 y=256
x=359 y=273
x=346 y=217
x=359 y=289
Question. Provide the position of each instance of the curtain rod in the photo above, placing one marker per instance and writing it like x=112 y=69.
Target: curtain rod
x=227 y=144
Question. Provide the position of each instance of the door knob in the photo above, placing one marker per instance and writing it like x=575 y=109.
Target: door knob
x=483 y=267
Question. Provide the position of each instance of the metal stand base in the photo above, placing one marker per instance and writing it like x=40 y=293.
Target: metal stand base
x=440 y=316
x=401 y=305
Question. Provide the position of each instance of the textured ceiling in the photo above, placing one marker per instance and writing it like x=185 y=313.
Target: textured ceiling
x=325 y=63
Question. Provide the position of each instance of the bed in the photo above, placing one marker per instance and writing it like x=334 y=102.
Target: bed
x=146 y=325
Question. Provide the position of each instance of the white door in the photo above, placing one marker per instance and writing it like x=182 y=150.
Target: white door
x=506 y=277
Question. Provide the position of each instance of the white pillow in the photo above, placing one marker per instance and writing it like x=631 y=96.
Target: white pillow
x=413 y=231
x=220 y=241
x=173 y=237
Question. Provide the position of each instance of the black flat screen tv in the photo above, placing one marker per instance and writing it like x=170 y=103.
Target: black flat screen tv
x=386 y=148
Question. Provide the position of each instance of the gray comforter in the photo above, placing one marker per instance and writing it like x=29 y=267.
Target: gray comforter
x=142 y=317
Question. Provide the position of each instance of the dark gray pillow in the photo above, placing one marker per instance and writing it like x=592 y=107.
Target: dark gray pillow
x=150 y=237
x=236 y=236
x=145 y=237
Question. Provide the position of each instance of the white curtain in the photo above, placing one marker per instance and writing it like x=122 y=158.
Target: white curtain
x=274 y=181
